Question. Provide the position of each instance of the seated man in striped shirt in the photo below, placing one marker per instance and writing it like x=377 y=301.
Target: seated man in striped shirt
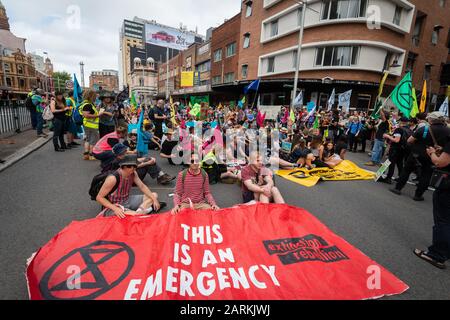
x=192 y=190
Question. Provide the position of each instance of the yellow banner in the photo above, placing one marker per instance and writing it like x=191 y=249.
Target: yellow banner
x=383 y=80
x=187 y=79
x=346 y=171
x=423 y=100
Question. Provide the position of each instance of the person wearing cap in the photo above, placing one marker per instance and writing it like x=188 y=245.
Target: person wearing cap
x=107 y=120
x=103 y=148
x=120 y=203
x=398 y=148
x=436 y=133
x=111 y=160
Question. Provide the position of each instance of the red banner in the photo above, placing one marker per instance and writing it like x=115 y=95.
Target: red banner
x=258 y=252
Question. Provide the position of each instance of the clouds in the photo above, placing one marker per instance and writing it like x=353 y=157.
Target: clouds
x=72 y=31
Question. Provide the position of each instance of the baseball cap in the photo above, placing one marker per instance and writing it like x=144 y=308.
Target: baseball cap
x=119 y=149
x=436 y=116
x=129 y=160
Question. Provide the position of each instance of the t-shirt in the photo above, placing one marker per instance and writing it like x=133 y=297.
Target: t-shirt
x=247 y=173
x=398 y=133
x=168 y=148
x=157 y=112
x=382 y=129
x=423 y=139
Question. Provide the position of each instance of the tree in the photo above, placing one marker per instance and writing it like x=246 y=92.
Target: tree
x=59 y=80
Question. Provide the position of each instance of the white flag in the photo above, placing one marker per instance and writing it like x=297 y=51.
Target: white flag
x=298 y=102
x=344 y=100
x=310 y=114
x=332 y=100
x=444 y=107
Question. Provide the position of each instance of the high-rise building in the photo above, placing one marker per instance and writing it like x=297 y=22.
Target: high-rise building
x=143 y=39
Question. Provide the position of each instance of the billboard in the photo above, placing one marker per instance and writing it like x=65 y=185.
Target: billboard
x=187 y=79
x=168 y=37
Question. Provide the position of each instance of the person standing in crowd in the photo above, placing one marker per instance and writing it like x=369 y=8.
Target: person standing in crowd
x=378 y=147
x=439 y=252
x=435 y=134
x=354 y=129
x=38 y=100
x=32 y=108
x=109 y=109
x=90 y=122
x=120 y=203
x=59 y=108
x=192 y=190
x=71 y=127
x=398 y=148
x=158 y=117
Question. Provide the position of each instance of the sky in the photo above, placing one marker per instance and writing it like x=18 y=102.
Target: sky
x=71 y=31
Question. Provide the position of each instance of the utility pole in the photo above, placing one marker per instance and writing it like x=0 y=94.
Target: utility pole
x=82 y=73
x=167 y=74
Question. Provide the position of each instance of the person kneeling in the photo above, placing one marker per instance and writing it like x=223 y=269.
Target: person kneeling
x=115 y=196
x=258 y=184
x=192 y=190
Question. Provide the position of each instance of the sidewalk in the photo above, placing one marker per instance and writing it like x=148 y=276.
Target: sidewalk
x=18 y=146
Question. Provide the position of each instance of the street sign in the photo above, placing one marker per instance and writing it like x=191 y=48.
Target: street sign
x=382 y=170
x=69 y=85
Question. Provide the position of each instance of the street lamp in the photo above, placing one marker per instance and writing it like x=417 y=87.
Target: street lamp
x=299 y=48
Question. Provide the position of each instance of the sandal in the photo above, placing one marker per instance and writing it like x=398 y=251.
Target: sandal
x=424 y=256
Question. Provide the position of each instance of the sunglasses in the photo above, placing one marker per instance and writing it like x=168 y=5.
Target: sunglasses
x=194 y=162
x=129 y=167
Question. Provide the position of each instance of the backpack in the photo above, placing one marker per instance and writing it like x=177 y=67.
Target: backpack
x=29 y=104
x=406 y=133
x=47 y=114
x=204 y=174
x=99 y=180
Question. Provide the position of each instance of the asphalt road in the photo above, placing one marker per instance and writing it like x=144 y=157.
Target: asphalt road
x=46 y=191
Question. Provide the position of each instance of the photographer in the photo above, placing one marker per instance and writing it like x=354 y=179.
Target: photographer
x=439 y=252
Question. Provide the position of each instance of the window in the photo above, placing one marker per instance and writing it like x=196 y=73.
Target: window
x=387 y=61
x=417 y=30
x=229 y=77
x=343 y=9
x=248 y=11
x=22 y=83
x=231 y=49
x=442 y=3
x=294 y=59
x=427 y=72
x=216 y=80
x=141 y=82
x=398 y=15
x=411 y=61
x=246 y=40
x=217 y=55
x=300 y=16
x=435 y=35
x=337 y=56
x=270 y=64
x=9 y=82
x=204 y=67
x=274 y=28
x=244 y=71
x=7 y=67
x=19 y=69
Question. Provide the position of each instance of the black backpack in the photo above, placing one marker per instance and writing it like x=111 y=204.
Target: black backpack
x=406 y=133
x=29 y=104
x=99 y=180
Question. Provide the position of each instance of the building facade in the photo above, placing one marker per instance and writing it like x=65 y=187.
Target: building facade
x=346 y=45
x=144 y=80
x=105 y=80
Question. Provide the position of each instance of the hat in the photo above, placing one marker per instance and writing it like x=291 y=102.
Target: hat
x=119 y=149
x=129 y=160
x=284 y=130
x=107 y=94
x=40 y=91
x=134 y=131
x=436 y=116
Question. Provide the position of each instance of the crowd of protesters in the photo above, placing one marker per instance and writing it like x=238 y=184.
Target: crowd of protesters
x=214 y=144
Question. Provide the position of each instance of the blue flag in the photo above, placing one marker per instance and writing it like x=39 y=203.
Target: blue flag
x=142 y=148
x=77 y=90
x=253 y=86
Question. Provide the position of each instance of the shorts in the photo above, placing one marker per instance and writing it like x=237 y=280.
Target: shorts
x=91 y=136
x=248 y=196
x=133 y=203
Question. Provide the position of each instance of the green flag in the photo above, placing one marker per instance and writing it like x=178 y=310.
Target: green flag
x=316 y=123
x=402 y=95
x=376 y=111
x=133 y=101
x=415 y=108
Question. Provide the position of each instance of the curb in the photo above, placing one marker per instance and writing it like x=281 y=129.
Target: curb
x=22 y=153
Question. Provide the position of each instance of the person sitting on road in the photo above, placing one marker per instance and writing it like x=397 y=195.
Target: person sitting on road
x=328 y=156
x=119 y=202
x=192 y=190
x=170 y=148
x=103 y=148
x=257 y=182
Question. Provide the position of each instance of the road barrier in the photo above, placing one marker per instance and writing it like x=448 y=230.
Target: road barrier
x=14 y=117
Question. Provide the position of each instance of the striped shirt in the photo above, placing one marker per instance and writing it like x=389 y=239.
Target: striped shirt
x=122 y=194
x=195 y=188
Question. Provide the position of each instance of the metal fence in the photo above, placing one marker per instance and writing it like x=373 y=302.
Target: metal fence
x=14 y=117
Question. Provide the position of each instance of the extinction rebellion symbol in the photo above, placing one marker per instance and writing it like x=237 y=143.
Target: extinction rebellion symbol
x=103 y=265
x=308 y=248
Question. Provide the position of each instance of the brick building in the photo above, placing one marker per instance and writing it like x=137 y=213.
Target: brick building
x=341 y=49
x=105 y=79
